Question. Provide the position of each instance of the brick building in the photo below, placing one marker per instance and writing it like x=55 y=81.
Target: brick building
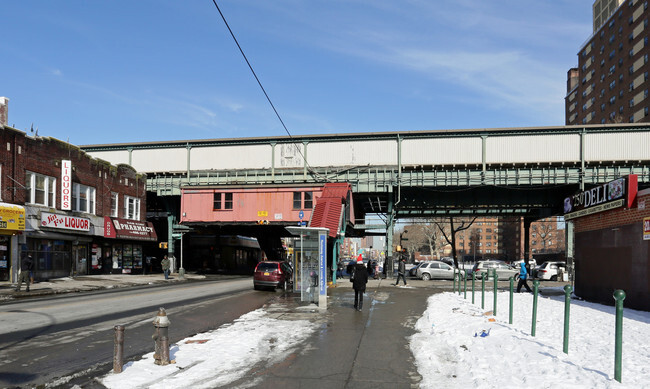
x=74 y=214
x=612 y=242
x=610 y=84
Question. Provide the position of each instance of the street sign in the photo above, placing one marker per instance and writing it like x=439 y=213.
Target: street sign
x=177 y=235
x=301 y=214
x=181 y=228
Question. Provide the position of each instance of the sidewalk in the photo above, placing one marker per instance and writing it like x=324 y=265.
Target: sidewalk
x=88 y=283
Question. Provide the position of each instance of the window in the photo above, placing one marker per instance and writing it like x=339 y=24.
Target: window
x=303 y=200
x=40 y=189
x=216 y=201
x=227 y=201
x=114 y=204
x=131 y=208
x=83 y=198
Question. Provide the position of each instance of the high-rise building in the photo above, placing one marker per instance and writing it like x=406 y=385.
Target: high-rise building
x=610 y=84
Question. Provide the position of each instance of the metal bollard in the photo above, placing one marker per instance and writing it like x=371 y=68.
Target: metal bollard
x=473 y=281
x=453 y=288
x=118 y=350
x=567 y=308
x=160 y=336
x=464 y=285
x=496 y=279
x=535 y=291
x=483 y=292
x=512 y=290
x=619 y=296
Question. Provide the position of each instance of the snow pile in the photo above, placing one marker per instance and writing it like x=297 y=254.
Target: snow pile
x=460 y=345
x=219 y=357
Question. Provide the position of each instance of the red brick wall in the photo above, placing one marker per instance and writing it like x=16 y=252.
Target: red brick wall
x=616 y=217
x=43 y=155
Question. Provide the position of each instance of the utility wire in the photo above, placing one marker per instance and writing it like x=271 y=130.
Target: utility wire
x=232 y=34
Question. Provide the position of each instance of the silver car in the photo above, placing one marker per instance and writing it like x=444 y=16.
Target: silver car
x=435 y=270
x=503 y=270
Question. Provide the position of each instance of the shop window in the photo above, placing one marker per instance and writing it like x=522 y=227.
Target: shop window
x=227 y=201
x=83 y=198
x=40 y=189
x=297 y=200
x=131 y=208
x=303 y=200
x=216 y=201
x=114 y=204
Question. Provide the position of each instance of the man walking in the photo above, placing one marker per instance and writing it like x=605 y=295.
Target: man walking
x=401 y=271
x=360 y=279
x=165 y=266
x=26 y=266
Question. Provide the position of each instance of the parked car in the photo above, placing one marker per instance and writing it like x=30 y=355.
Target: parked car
x=448 y=260
x=549 y=270
x=503 y=270
x=273 y=274
x=435 y=270
x=413 y=271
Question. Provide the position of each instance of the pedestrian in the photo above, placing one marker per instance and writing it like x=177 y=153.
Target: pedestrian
x=523 y=276
x=359 y=281
x=26 y=267
x=165 y=266
x=401 y=271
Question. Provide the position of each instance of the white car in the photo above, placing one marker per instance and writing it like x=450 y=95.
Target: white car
x=435 y=270
x=550 y=270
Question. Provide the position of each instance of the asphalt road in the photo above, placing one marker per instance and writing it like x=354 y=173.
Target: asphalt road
x=44 y=339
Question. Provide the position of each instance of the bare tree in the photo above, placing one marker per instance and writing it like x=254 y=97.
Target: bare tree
x=454 y=226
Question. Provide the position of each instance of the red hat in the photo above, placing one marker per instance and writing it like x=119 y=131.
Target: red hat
x=360 y=259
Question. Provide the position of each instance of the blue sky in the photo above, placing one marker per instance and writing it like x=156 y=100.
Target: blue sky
x=132 y=71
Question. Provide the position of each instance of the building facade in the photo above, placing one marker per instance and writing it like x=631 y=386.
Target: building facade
x=610 y=84
x=73 y=213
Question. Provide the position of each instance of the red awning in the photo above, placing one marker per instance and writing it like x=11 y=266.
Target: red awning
x=129 y=229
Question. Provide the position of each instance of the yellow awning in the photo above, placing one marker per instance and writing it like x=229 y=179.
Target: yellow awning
x=12 y=218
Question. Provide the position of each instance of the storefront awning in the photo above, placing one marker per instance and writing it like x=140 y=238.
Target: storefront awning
x=12 y=218
x=129 y=229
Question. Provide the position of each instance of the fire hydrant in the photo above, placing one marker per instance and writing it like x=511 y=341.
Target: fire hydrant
x=160 y=337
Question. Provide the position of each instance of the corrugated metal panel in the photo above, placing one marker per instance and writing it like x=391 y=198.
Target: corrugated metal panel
x=289 y=155
x=356 y=153
x=114 y=157
x=533 y=148
x=231 y=157
x=327 y=212
x=615 y=147
x=441 y=151
x=166 y=160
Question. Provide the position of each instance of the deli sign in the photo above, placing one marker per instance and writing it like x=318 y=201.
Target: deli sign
x=614 y=194
x=65 y=222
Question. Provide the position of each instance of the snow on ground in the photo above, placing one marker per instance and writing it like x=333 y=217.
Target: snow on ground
x=449 y=355
x=219 y=357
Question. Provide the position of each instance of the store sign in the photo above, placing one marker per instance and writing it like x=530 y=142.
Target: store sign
x=128 y=229
x=12 y=217
x=614 y=194
x=66 y=185
x=64 y=222
x=646 y=228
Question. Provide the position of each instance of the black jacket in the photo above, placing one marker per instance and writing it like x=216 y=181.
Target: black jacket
x=360 y=277
x=26 y=264
x=401 y=268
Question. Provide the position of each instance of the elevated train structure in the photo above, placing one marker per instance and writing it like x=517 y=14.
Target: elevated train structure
x=403 y=174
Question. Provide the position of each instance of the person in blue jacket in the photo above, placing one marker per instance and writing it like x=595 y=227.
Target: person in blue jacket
x=523 y=276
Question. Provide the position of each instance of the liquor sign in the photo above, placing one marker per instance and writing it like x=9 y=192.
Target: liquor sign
x=66 y=185
x=64 y=222
x=614 y=194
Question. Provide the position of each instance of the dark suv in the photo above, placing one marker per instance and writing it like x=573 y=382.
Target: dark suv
x=272 y=274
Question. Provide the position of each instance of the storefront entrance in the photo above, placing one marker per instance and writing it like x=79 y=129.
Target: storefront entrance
x=80 y=257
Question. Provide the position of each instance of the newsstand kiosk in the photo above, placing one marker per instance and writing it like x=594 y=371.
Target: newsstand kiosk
x=310 y=264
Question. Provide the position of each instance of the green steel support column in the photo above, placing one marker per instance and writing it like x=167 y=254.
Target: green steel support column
x=473 y=281
x=496 y=279
x=570 y=245
x=582 y=159
x=189 y=148
x=273 y=161
x=483 y=157
x=535 y=294
x=171 y=220
x=390 y=226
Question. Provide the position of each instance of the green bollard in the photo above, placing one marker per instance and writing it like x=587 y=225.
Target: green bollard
x=535 y=290
x=496 y=279
x=459 y=282
x=473 y=280
x=454 y=285
x=619 y=296
x=464 y=285
x=512 y=290
x=567 y=306
x=483 y=292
